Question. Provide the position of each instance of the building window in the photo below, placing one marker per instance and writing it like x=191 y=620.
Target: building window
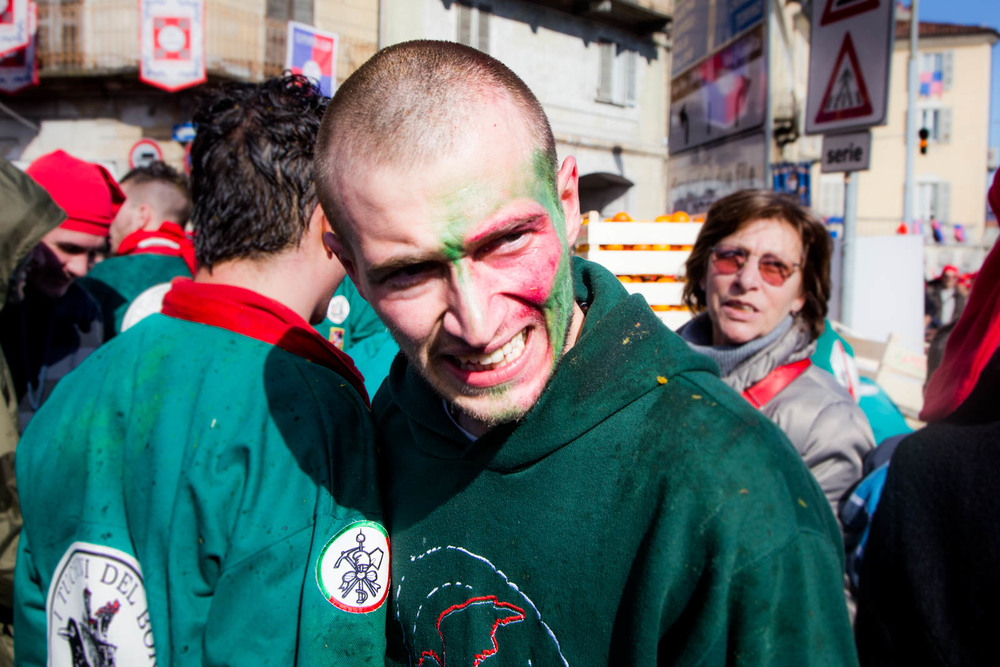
x=474 y=27
x=617 y=76
x=291 y=10
x=934 y=201
x=936 y=73
x=937 y=122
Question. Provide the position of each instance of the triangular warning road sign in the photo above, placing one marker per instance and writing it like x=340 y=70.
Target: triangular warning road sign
x=836 y=10
x=846 y=95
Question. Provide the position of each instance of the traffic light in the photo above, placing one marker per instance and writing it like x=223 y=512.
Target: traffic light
x=924 y=135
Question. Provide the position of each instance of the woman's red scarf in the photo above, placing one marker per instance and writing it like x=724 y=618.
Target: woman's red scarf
x=248 y=313
x=170 y=240
x=974 y=339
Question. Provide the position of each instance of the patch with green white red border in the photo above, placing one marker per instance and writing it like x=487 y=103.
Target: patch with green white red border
x=352 y=570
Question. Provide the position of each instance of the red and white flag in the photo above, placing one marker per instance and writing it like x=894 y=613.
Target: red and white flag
x=19 y=67
x=172 y=43
x=15 y=31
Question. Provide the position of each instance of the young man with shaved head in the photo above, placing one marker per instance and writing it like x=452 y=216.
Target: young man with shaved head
x=565 y=481
x=148 y=240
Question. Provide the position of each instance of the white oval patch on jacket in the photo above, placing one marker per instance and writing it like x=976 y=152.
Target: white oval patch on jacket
x=96 y=612
x=353 y=569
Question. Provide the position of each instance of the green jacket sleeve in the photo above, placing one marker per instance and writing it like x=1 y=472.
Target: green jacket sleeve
x=786 y=610
x=29 y=610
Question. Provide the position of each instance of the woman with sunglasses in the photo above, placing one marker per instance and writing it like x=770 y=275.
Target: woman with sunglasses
x=759 y=275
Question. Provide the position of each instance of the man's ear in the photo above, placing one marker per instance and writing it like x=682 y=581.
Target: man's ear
x=146 y=221
x=334 y=246
x=568 y=186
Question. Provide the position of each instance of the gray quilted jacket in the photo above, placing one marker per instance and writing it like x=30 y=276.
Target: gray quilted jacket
x=827 y=427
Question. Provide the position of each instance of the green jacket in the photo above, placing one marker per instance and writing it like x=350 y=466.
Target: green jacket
x=182 y=492
x=352 y=325
x=641 y=513
x=117 y=281
x=27 y=214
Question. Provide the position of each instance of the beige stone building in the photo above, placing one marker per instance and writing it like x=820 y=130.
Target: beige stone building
x=90 y=100
x=599 y=68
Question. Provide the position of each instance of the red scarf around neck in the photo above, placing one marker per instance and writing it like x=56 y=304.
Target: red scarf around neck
x=251 y=314
x=170 y=240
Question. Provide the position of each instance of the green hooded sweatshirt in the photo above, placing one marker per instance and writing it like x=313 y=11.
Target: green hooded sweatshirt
x=641 y=513
x=195 y=496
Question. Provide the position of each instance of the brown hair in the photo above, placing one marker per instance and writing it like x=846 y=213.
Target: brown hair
x=404 y=105
x=731 y=213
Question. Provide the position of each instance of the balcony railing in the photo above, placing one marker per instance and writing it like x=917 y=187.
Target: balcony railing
x=97 y=37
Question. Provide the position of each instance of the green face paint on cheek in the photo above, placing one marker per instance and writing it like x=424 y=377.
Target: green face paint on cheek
x=558 y=307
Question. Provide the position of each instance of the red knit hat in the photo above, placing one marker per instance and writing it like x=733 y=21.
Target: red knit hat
x=86 y=191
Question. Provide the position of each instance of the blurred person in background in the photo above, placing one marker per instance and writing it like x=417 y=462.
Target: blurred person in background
x=27 y=214
x=929 y=579
x=147 y=240
x=50 y=324
x=759 y=277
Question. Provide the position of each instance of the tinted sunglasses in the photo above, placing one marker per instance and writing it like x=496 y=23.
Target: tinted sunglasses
x=730 y=259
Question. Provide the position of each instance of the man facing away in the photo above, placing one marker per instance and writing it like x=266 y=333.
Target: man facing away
x=148 y=240
x=566 y=483
x=202 y=491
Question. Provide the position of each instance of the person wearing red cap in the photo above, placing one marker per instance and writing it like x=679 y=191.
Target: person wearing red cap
x=53 y=324
x=948 y=301
x=27 y=214
x=148 y=240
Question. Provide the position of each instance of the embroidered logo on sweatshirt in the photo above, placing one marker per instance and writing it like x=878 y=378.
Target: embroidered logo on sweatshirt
x=96 y=611
x=454 y=607
x=353 y=569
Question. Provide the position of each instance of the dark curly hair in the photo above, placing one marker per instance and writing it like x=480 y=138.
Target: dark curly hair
x=733 y=212
x=251 y=167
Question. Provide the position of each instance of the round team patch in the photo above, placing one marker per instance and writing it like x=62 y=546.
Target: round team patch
x=148 y=302
x=339 y=309
x=96 y=611
x=353 y=569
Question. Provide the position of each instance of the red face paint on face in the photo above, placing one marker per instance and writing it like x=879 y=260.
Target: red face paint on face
x=466 y=261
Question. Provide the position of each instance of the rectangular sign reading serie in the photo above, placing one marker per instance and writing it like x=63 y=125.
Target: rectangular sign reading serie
x=846 y=152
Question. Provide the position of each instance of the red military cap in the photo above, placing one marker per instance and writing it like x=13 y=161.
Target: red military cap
x=85 y=190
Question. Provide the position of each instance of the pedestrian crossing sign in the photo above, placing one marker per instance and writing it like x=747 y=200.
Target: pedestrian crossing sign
x=846 y=94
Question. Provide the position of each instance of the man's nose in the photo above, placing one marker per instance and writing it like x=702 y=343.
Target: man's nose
x=79 y=265
x=470 y=314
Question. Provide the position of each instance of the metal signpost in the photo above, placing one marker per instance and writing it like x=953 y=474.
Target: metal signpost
x=849 y=61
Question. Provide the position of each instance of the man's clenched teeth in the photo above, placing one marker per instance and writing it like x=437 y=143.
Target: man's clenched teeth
x=507 y=354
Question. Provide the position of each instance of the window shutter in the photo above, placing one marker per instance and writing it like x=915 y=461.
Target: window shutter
x=947 y=69
x=302 y=10
x=484 y=30
x=944 y=125
x=465 y=25
x=605 y=84
x=631 y=78
x=943 y=204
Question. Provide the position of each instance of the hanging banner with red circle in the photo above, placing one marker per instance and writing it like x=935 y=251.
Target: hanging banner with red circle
x=172 y=43
x=15 y=29
x=144 y=152
x=19 y=68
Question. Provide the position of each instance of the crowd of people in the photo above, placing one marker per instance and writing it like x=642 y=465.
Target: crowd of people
x=346 y=396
